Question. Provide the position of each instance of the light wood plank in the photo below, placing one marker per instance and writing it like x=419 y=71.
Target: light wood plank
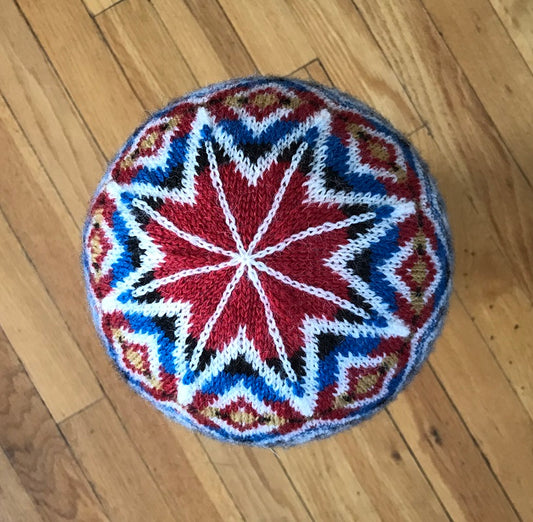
x=489 y=406
x=491 y=292
x=97 y=6
x=37 y=451
x=300 y=73
x=444 y=448
x=174 y=456
x=504 y=83
x=157 y=71
x=460 y=125
x=16 y=503
x=339 y=493
x=271 y=34
x=257 y=482
x=353 y=60
x=28 y=314
x=318 y=73
x=192 y=41
x=220 y=32
x=39 y=335
x=366 y=473
x=119 y=476
x=45 y=112
x=517 y=16
x=86 y=66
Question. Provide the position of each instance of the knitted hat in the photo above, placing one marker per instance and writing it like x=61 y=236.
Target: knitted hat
x=267 y=261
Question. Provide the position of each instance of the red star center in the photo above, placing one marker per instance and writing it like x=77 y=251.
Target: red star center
x=250 y=258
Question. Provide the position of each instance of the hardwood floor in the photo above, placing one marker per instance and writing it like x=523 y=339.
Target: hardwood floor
x=77 y=76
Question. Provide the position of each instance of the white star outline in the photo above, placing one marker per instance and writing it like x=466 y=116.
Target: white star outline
x=249 y=262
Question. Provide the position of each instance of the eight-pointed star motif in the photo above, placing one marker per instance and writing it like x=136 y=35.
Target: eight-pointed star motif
x=252 y=279
x=246 y=255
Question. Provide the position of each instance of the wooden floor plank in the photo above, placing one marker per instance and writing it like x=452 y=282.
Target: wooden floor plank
x=192 y=41
x=271 y=34
x=449 y=456
x=504 y=84
x=491 y=292
x=257 y=482
x=45 y=112
x=460 y=125
x=517 y=16
x=39 y=335
x=302 y=73
x=108 y=457
x=97 y=6
x=157 y=72
x=15 y=501
x=365 y=473
x=318 y=73
x=338 y=494
x=344 y=45
x=221 y=33
x=190 y=483
x=489 y=406
x=86 y=66
x=37 y=451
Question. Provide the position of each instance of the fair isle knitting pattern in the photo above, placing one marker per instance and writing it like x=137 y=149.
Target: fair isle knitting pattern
x=267 y=261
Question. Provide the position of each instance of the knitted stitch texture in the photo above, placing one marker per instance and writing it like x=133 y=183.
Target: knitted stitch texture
x=267 y=261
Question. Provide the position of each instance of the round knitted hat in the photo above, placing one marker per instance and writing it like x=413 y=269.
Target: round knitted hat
x=267 y=261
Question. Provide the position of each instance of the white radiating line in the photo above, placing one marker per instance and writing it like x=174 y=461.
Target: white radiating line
x=190 y=238
x=271 y=323
x=217 y=184
x=313 y=290
x=157 y=283
x=314 y=231
x=206 y=332
x=278 y=197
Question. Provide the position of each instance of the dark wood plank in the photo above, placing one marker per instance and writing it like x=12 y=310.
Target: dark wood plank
x=36 y=449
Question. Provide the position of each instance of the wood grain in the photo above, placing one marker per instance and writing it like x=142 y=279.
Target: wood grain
x=120 y=478
x=222 y=36
x=16 y=503
x=37 y=452
x=357 y=467
x=475 y=34
x=318 y=73
x=446 y=452
x=257 y=482
x=271 y=34
x=46 y=114
x=157 y=72
x=489 y=406
x=491 y=292
x=68 y=384
x=517 y=16
x=192 y=40
x=77 y=76
x=344 y=44
x=97 y=6
x=87 y=68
